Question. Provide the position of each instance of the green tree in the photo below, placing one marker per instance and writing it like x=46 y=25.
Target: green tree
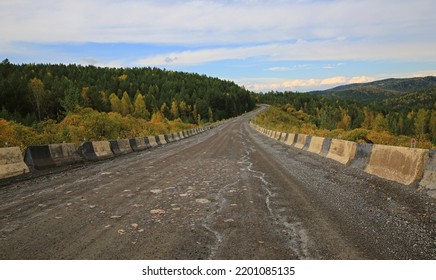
x=432 y=126
x=115 y=103
x=174 y=110
x=126 y=104
x=368 y=121
x=164 y=110
x=36 y=87
x=421 y=123
x=183 y=109
x=380 y=123
x=210 y=114
x=140 y=108
x=71 y=99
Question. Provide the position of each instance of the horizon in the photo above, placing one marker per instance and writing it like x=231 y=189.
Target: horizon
x=300 y=46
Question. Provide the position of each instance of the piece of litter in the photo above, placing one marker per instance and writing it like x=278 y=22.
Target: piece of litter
x=121 y=231
x=115 y=217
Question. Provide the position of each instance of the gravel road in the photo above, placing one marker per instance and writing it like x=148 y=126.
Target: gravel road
x=229 y=193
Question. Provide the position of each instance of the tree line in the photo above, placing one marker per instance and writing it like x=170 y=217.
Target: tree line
x=31 y=93
x=396 y=116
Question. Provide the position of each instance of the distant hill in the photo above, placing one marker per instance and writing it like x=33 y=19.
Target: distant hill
x=384 y=90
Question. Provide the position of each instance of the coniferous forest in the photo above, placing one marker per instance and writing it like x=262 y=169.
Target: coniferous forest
x=52 y=103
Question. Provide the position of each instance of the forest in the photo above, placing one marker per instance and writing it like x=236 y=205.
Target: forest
x=47 y=103
x=392 y=121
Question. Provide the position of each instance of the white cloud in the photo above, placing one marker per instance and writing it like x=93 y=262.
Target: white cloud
x=212 y=22
x=333 y=81
x=277 y=69
x=299 y=51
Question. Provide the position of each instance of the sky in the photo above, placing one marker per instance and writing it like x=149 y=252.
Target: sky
x=278 y=45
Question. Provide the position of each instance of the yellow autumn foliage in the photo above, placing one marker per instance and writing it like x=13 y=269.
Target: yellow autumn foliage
x=85 y=124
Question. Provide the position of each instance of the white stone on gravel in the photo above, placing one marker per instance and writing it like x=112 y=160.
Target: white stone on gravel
x=202 y=200
x=157 y=211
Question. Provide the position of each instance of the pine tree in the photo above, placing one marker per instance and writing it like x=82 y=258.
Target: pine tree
x=126 y=105
x=37 y=89
x=140 y=108
x=115 y=103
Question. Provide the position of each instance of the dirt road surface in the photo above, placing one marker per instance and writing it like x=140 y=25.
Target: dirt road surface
x=229 y=193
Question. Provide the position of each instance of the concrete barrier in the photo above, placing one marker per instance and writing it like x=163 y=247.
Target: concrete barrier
x=307 y=144
x=139 y=144
x=342 y=151
x=363 y=153
x=429 y=179
x=120 y=147
x=316 y=144
x=96 y=150
x=160 y=140
x=276 y=135
x=283 y=137
x=52 y=155
x=11 y=162
x=399 y=164
x=326 y=147
x=301 y=141
x=152 y=141
x=168 y=138
x=292 y=138
x=176 y=137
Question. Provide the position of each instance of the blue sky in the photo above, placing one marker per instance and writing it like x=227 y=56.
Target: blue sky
x=267 y=45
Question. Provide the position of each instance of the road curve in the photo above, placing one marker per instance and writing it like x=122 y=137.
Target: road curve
x=229 y=193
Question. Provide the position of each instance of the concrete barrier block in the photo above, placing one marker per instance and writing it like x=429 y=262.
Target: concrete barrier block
x=429 y=179
x=121 y=146
x=168 y=138
x=399 y=164
x=363 y=153
x=161 y=139
x=292 y=138
x=283 y=137
x=301 y=141
x=97 y=150
x=176 y=137
x=64 y=154
x=316 y=144
x=307 y=144
x=342 y=151
x=325 y=147
x=53 y=155
x=39 y=157
x=11 y=163
x=152 y=141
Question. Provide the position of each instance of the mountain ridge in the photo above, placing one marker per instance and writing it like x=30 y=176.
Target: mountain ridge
x=382 y=90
